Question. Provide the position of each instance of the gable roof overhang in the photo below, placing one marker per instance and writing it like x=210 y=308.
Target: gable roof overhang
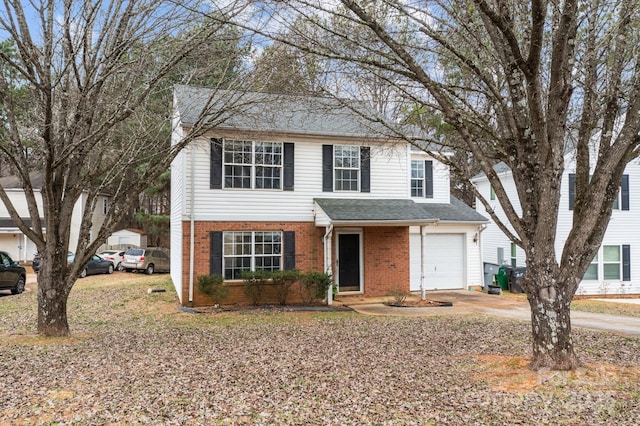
x=370 y=212
x=7 y=225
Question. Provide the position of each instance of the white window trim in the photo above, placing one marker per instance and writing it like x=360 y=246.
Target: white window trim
x=252 y=256
x=358 y=169
x=252 y=166
x=422 y=179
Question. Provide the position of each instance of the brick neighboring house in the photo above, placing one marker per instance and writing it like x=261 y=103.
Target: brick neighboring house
x=303 y=183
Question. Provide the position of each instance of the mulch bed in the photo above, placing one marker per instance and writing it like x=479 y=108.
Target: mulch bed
x=419 y=304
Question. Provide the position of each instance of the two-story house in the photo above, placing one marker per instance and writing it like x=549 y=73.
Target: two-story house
x=305 y=183
x=613 y=269
x=14 y=242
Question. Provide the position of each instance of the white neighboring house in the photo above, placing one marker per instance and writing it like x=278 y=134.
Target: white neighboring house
x=302 y=183
x=616 y=268
x=14 y=242
x=128 y=237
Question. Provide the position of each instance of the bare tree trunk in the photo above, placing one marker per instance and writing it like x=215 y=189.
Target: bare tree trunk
x=550 y=301
x=52 y=307
x=53 y=292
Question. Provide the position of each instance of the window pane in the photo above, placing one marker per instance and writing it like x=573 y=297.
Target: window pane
x=237 y=176
x=269 y=153
x=417 y=188
x=592 y=272
x=611 y=253
x=417 y=178
x=346 y=180
x=612 y=271
x=268 y=177
x=417 y=169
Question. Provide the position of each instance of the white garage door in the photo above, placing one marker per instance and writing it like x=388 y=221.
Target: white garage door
x=443 y=261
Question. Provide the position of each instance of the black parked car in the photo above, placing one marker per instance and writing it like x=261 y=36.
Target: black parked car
x=12 y=275
x=96 y=265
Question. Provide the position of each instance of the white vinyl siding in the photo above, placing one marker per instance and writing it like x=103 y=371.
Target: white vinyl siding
x=441 y=180
x=389 y=178
x=622 y=229
x=178 y=206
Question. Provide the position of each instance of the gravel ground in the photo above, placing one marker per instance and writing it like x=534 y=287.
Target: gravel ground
x=134 y=358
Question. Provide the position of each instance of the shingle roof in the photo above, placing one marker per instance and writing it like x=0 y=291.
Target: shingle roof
x=397 y=210
x=14 y=182
x=373 y=210
x=456 y=211
x=281 y=113
x=7 y=222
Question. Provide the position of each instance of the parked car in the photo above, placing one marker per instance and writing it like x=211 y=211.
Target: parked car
x=12 y=275
x=149 y=260
x=37 y=261
x=96 y=265
x=117 y=257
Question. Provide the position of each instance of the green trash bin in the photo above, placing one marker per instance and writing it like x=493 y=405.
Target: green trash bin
x=502 y=279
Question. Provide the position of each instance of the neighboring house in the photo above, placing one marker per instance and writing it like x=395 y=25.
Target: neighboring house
x=616 y=268
x=128 y=238
x=301 y=183
x=14 y=242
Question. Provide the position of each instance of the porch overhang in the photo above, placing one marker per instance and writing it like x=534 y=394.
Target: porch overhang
x=370 y=212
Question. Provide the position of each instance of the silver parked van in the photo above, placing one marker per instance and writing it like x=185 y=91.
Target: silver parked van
x=149 y=260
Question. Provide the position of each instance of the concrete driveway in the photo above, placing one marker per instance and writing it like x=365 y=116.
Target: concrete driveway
x=466 y=302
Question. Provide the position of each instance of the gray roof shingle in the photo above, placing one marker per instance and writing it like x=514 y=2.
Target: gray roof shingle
x=456 y=211
x=309 y=115
x=347 y=209
x=397 y=210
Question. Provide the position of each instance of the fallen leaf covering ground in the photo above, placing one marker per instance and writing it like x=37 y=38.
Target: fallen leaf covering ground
x=135 y=359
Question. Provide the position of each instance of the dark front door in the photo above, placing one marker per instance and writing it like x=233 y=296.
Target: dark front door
x=348 y=262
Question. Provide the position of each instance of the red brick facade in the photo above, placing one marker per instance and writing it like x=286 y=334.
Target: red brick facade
x=386 y=257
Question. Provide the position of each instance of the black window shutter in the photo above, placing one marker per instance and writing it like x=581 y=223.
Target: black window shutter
x=216 y=164
x=365 y=169
x=626 y=262
x=327 y=168
x=215 y=253
x=572 y=189
x=288 y=166
x=428 y=174
x=625 y=192
x=289 y=250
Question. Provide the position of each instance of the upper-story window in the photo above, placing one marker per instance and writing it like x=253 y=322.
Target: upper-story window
x=417 y=178
x=422 y=178
x=249 y=164
x=346 y=167
x=105 y=206
x=621 y=202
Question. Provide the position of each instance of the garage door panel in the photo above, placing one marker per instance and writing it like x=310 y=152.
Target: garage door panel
x=444 y=261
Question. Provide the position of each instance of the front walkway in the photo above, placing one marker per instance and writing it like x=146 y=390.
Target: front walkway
x=468 y=302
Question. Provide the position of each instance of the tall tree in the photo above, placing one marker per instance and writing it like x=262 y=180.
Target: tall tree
x=94 y=73
x=522 y=83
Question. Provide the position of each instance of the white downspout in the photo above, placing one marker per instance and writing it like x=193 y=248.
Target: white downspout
x=327 y=260
x=480 y=229
x=423 y=290
x=192 y=223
